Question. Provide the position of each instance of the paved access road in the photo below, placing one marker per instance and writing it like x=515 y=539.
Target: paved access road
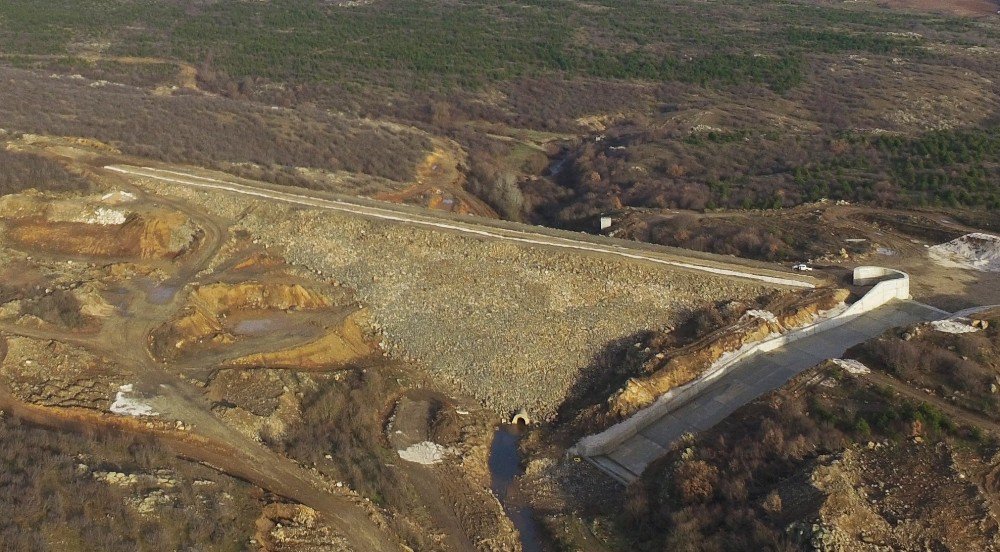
x=469 y=226
x=757 y=375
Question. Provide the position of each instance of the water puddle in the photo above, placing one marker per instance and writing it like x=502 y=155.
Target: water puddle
x=256 y=326
x=505 y=466
x=162 y=294
x=157 y=293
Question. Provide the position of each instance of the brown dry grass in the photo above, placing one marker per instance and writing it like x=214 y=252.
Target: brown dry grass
x=963 y=8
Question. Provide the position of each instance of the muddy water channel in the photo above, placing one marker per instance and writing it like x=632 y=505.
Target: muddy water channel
x=505 y=467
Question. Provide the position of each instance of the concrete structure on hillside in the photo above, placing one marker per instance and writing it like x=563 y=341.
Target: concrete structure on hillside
x=624 y=450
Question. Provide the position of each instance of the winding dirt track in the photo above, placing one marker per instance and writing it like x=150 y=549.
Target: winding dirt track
x=187 y=74
x=957 y=413
x=124 y=339
x=261 y=468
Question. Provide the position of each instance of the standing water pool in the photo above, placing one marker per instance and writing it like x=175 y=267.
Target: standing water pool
x=505 y=466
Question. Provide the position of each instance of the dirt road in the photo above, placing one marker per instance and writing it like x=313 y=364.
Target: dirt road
x=255 y=465
x=124 y=340
x=469 y=227
x=956 y=413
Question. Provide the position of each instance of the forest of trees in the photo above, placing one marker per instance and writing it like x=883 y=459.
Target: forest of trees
x=530 y=65
x=402 y=44
x=742 y=170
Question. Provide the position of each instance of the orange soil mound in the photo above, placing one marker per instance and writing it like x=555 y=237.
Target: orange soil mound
x=341 y=345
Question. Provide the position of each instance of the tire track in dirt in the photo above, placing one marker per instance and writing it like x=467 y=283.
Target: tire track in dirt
x=962 y=415
x=213 y=443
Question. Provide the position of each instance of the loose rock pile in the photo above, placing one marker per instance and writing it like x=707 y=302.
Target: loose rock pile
x=55 y=374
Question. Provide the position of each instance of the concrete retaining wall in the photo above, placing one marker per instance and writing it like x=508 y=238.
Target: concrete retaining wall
x=889 y=285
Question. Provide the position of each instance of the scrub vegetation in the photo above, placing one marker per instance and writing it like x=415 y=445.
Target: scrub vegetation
x=701 y=106
x=53 y=499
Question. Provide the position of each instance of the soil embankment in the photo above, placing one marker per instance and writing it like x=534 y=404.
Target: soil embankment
x=687 y=363
x=513 y=325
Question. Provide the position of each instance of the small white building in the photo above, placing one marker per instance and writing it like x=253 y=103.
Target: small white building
x=606 y=223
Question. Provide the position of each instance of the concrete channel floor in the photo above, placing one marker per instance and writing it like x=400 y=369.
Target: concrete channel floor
x=758 y=375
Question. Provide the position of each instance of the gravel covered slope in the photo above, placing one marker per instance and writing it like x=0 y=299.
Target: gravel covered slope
x=509 y=324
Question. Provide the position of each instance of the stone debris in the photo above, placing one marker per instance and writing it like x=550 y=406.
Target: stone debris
x=953 y=326
x=977 y=251
x=149 y=504
x=426 y=453
x=118 y=197
x=767 y=316
x=297 y=528
x=160 y=478
x=106 y=217
x=515 y=326
x=852 y=366
x=56 y=374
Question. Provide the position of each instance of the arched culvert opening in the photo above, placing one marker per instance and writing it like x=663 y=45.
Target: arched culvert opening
x=521 y=419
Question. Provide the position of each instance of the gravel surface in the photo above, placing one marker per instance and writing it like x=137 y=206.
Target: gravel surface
x=512 y=325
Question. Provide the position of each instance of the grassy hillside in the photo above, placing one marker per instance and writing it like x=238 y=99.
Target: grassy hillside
x=681 y=104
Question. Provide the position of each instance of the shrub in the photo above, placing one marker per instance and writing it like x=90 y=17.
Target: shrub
x=60 y=307
x=21 y=171
x=695 y=481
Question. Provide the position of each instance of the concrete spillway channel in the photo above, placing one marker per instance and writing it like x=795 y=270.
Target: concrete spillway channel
x=625 y=450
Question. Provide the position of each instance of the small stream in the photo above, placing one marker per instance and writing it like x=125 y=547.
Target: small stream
x=505 y=466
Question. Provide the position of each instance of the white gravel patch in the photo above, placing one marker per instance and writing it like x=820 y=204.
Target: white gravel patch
x=764 y=315
x=129 y=405
x=977 y=251
x=953 y=326
x=106 y=217
x=852 y=366
x=426 y=453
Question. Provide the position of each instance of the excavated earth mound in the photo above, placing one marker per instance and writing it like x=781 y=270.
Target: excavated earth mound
x=341 y=345
x=93 y=226
x=977 y=251
x=49 y=373
x=220 y=315
x=905 y=496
